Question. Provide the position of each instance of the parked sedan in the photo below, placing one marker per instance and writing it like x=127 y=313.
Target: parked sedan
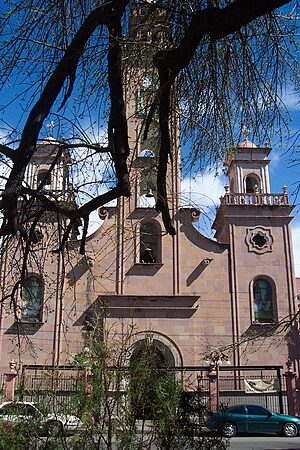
x=13 y=412
x=253 y=419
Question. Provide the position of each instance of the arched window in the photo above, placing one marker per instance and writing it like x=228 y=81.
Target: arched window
x=252 y=184
x=150 y=245
x=263 y=301
x=44 y=177
x=32 y=298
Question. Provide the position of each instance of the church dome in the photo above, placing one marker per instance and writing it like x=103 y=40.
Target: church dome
x=50 y=140
x=247 y=144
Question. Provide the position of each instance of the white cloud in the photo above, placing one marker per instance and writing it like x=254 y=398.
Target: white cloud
x=296 y=247
x=291 y=100
x=204 y=192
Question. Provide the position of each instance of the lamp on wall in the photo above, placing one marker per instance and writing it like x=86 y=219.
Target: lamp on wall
x=206 y=261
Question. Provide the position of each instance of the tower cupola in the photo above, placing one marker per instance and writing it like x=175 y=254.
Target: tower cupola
x=248 y=169
x=49 y=169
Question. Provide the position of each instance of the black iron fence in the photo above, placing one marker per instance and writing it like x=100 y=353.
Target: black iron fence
x=2 y=387
x=59 y=388
x=275 y=401
x=263 y=386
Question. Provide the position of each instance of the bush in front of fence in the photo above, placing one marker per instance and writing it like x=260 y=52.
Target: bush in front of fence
x=126 y=397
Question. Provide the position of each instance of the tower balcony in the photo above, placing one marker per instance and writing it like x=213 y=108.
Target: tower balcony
x=255 y=199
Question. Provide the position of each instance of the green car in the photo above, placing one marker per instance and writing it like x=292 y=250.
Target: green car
x=253 y=419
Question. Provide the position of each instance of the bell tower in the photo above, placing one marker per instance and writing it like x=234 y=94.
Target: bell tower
x=254 y=223
x=48 y=170
x=141 y=85
x=248 y=193
x=248 y=170
x=142 y=244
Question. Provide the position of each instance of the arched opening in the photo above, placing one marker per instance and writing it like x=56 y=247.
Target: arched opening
x=148 y=183
x=44 y=178
x=146 y=153
x=263 y=300
x=160 y=355
x=151 y=374
x=32 y=299
x=150 y=243
x=252 y=184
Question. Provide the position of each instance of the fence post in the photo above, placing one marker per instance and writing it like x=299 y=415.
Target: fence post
x=290 y=378
x=213 y=387
x=10 y=381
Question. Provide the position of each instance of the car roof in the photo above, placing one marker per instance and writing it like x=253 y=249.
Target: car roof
x=17 y=403
x=245 y=405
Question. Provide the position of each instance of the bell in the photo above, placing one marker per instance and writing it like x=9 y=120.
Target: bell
x=149 y=193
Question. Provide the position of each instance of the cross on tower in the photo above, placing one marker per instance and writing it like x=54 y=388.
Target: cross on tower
x=51 y=127
x=245 y=132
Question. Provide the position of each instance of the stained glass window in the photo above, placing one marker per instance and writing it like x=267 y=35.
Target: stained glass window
x=32 y=297
x=263 y=301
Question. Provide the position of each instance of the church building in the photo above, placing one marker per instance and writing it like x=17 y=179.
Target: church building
x=193 y=293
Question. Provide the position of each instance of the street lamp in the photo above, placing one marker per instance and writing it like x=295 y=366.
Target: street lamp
x=214 y=360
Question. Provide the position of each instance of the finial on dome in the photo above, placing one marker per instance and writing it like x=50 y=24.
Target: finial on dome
x=246 y=143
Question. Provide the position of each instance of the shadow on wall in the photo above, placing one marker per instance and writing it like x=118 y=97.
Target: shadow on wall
x=198 y=270
x=179 y=307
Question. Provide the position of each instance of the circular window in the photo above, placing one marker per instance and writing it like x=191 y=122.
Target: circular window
x=260 y=240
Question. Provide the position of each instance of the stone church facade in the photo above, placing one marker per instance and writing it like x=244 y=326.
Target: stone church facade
x=193 y=293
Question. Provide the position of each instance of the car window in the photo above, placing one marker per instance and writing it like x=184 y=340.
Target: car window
x=238 y=410
x=30 y=410
x=257 y=410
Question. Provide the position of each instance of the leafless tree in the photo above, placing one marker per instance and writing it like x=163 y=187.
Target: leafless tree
x=227 y=61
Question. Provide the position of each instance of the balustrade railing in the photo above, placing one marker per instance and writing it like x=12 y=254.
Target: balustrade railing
x=255 y=199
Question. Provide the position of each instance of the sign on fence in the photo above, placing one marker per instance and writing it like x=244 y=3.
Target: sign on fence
x=261 y=386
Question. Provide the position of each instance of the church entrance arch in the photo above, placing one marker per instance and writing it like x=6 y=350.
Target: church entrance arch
x=151 y=373
x=158 y=353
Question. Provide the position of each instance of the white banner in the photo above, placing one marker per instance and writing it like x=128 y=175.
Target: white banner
x=261 y=386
